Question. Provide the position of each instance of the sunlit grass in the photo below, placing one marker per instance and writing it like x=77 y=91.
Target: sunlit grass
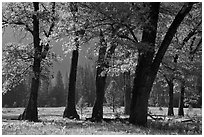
x=52 y=123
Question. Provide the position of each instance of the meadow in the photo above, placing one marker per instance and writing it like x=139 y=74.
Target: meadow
x=51 y=122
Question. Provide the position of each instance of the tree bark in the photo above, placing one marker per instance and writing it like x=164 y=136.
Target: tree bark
x=31 y=113
x=97 y=114
x=70 y=110
x=171 y=98
x=181 y=101
x=127 y=98
x=140 y=94
x=143 y=76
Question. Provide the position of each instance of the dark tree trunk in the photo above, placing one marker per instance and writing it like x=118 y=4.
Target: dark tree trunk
x=31 y=113
x=143 y=76
x=147 y=68
x=127 y=98
x=171 y=98
x=140 y=95
x=97 y=114
x=70 y=110
x=181 y=101
x=103 y=63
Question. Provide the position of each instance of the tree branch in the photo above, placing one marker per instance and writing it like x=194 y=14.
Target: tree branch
x=198 y=45
x=46 y=47
x=125 y=37
x=18 y=23
x=170 y=34
x=191 y=33
x=132 y=33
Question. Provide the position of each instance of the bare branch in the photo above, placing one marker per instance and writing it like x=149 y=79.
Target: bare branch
x=18 y=23
x=197 y=47
x=191 y=33
x=132 y=33
x=125 y=37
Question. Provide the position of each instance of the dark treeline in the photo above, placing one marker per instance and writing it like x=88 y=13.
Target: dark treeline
x=52 y=93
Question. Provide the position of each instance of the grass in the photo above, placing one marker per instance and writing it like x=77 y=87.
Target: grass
x=52 y=123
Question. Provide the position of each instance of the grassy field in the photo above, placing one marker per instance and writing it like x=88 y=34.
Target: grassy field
x=53 y=123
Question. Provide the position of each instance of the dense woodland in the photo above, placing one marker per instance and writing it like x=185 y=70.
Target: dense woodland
x=144 y=54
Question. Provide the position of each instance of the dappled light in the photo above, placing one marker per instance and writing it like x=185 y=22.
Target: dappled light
x=102 y=68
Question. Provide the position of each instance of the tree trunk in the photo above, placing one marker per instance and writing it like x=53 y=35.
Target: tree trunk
x=143 y=75
x=70 y=110
x=31 y=113
x=147 y=68
x=127 y=99
x=103 y=63
x=140 y=95
x=171 y=98
x=181 y=101
x=97 y=114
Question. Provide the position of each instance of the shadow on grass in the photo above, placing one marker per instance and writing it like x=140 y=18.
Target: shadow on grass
x=117 y=125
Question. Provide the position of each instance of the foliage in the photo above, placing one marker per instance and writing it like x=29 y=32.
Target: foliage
x=113 y=95
x=20 y=56
x=16 y=97
x=17 y=64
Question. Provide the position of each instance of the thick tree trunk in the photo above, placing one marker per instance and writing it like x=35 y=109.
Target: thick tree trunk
x=127 y=97
x=171 y=98
x=143 y=76
x=140 y=94
x=70 y=110
x=31 y=113
x=181 y=101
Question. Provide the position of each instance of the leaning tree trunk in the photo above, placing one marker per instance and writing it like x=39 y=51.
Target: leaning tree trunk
x=146 y=72
x=171 y=98
x=70 y=110
x=127 y=97
x=31 y=113
x=143 y=75
x=181 y=101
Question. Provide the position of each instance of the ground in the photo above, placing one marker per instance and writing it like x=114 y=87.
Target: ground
x=51 y=122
